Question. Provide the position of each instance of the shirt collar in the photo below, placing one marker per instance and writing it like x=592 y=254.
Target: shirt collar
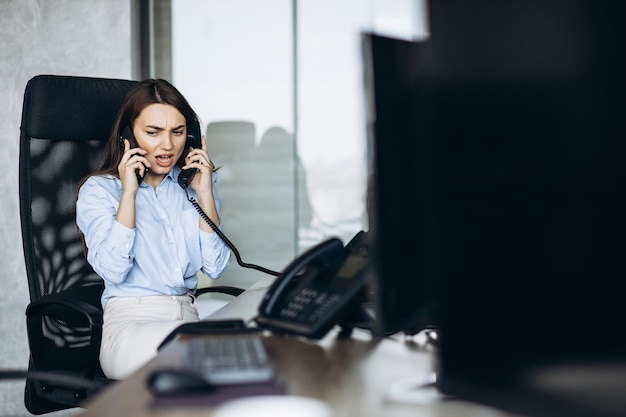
x=173 y=175
x=174 y=172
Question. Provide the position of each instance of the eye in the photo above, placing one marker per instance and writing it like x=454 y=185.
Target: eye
x=179 y=132
x=151 y=132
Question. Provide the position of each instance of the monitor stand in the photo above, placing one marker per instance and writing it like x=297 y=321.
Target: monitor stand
x=422 y=389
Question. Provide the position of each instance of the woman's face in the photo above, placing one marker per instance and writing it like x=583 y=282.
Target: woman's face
x=160 y=129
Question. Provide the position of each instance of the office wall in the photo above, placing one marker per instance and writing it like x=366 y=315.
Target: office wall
x=68 y=37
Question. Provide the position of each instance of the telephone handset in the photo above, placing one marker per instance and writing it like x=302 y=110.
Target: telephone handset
x=193 y=141
x=127 y=133
x=317 y=289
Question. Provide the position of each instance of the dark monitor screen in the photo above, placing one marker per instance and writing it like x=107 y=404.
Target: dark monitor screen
x=528 y=109
x=402 y=195
x=498 y=177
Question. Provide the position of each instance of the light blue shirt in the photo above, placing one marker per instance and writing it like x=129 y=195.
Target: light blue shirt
x=163 y=253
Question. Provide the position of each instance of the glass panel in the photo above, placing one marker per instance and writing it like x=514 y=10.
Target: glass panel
x=331 y=127
x=233 y=61
x=331 y=112
x=287 y=130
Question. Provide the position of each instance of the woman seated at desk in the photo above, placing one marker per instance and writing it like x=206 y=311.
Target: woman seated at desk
x=142 y=235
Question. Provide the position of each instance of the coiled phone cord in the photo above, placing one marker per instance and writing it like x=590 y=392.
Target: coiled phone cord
x=226 y=240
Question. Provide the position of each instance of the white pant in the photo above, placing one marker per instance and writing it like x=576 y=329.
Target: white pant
x=135 y=326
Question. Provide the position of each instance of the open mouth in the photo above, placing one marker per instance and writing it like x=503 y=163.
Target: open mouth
x=164 y=160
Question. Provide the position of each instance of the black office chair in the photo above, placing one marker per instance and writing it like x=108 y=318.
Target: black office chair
x=65 y=124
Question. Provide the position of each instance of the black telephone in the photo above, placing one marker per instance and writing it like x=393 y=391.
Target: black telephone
x=193 y=140
x=127 y=133
x=317 y=290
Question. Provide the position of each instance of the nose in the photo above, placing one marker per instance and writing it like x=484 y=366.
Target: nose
x=167 y=142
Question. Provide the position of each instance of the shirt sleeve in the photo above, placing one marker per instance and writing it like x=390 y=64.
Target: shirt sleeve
x=215 y=254
x=109 y=243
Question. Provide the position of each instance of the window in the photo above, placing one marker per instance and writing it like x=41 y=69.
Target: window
x=278 y=87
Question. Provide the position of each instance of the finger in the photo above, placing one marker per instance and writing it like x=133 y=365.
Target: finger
x=134 y=154
x=125 y=146
x=191 y=161
x=206 y=161
x=142 y=168
x=197 y=155
x=199 y=162
x=138 y=158
x=201 y=156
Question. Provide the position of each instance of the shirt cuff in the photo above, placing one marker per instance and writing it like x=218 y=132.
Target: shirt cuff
x=122 y=238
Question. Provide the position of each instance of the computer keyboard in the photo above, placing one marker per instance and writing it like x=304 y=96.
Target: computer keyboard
x=229 y=359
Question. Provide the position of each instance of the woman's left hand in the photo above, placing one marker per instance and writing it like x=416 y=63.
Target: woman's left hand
x=199 y=160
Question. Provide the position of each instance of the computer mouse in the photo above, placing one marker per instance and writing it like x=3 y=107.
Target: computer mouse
x=163 y=382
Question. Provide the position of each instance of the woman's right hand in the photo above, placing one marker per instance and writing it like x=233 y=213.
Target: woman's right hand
x=132 y=161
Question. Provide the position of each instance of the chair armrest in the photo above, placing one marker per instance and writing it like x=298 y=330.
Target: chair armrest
x=46 y=306
x=220 y=289
x=64 y=309
x=57 y=377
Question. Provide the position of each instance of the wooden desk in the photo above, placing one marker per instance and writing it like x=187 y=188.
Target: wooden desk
x=350 y=375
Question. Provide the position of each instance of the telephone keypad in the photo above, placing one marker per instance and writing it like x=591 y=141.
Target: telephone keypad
x=310 y=305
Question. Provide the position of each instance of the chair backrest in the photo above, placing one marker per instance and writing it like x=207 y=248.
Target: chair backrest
x=66 y=122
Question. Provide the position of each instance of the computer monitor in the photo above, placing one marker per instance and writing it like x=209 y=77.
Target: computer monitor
x=498 y=158
x=529 y=102
x=402 y=197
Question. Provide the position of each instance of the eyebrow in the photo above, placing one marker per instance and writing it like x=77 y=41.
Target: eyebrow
x=161 y=128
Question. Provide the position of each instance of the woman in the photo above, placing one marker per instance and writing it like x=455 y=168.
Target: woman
x=143 y=236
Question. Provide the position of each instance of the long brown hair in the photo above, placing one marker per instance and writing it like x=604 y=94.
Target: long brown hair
x=140 y=96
